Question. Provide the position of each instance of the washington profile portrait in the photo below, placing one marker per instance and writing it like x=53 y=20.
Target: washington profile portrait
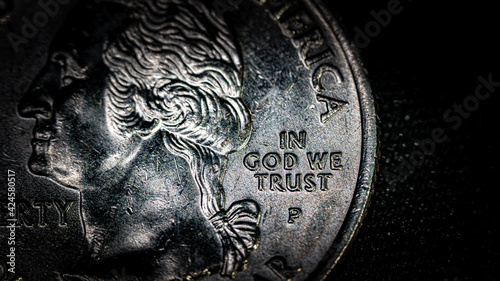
x=137 y=108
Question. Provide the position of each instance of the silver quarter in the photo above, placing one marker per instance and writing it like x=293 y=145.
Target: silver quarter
x=181 y=140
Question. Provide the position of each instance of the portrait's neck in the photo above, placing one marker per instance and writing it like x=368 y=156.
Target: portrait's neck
x=113 y=209
x=140 y=213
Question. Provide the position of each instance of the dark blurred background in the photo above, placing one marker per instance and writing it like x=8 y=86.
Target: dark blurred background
x=434 y=217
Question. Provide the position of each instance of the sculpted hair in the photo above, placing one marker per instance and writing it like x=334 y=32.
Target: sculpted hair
x=175 y=68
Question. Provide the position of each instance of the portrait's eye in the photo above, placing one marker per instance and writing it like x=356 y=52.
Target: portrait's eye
x=70 y=70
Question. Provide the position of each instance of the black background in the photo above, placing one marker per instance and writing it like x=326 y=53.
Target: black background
x=440 y=220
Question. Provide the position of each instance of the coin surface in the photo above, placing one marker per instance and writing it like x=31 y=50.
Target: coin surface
x=180 y=140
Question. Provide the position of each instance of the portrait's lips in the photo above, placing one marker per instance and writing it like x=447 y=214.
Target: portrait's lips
x=40 y=147
x=40 y=142
x=38 y=160
x=41 y=135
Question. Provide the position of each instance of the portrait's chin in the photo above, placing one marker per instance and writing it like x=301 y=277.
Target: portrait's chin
x=37 y=165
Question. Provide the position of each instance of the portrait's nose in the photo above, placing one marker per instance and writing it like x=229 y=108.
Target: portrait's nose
x=38 y=100
x=35 y=104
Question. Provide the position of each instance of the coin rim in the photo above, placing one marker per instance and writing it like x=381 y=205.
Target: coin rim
x=370 y=146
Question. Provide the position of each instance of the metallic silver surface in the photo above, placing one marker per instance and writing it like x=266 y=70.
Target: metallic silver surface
x=178 y=140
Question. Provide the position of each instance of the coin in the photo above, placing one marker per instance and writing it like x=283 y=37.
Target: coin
x=180 y=140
